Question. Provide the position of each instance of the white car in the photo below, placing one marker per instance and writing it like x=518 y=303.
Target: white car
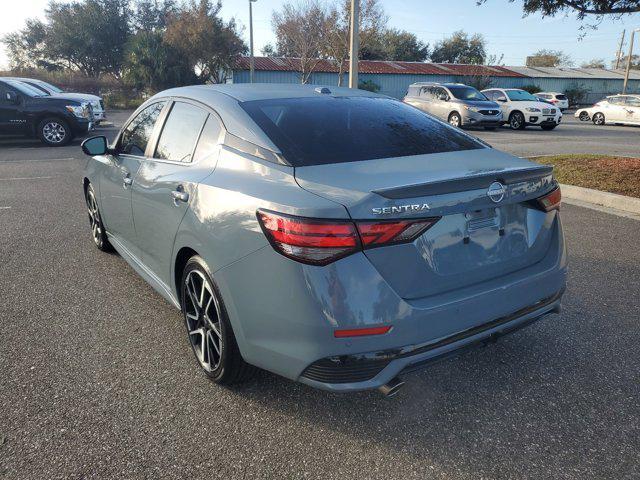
x=622 y=109
x=520 y=109
x=560 y=100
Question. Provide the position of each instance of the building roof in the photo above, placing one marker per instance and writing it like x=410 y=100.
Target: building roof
x=577 y=73
x=282 y=64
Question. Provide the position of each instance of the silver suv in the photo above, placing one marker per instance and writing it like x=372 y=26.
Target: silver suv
x=456 y=103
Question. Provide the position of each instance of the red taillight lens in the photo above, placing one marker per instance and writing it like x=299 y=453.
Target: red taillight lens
x=374 y=234
x=361 y=332
x=551 y=201
x=309 y=241
x=319 y=242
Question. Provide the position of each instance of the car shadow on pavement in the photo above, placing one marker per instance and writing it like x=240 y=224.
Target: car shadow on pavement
x=538 y=399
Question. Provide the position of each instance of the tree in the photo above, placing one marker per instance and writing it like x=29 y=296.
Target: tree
x=337 y=32
x=394 y=44
x=582 y=7
x=299 y=31
x=152 y=15
x=208 y=43
x=89 y=36
x=549 y=58
x=153 y=65
x=460 y=48
x=269 y=50
x=635 y=62
x=595 y=63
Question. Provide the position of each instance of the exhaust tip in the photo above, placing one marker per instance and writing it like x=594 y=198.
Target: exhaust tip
x=391 y=388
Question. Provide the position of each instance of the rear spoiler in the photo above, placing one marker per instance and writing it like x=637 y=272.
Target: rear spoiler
x=471 y=182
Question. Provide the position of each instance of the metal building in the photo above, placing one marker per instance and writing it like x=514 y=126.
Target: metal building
x=394 y=77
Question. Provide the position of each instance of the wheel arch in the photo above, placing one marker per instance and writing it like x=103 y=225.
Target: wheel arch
x=182 y=257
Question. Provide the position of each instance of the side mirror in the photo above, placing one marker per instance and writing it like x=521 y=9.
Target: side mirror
x=443 y=97
x=95 y=146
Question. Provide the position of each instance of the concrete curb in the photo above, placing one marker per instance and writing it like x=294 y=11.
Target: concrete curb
x=587 y=196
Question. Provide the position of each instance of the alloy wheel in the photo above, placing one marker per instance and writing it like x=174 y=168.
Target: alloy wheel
x=54 y=132
x=516 y=121
x=454 y=120
x=598 y=119
x=202 y=316
x=94 y=217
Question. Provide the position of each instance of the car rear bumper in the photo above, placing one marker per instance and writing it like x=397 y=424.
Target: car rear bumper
x=284 y=314
x=375 y=369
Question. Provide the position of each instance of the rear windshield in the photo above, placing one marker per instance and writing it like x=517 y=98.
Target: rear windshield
x=467 y=93
x=317 y=131
x=561 y=97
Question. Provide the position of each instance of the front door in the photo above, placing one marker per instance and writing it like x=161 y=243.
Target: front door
x=166 y=183
x=120 y=172
x=12 y=118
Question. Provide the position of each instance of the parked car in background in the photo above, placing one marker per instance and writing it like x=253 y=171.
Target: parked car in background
x=330 y=235
x=621 y=109
x=55 y=119
x=521 y=109
x=460 y=105
x=97 y=104
x=560 y=100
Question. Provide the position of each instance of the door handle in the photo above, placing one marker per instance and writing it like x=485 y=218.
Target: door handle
x=179 y=196
x=127 y=180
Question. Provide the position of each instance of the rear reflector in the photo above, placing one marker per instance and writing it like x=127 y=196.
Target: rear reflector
x=319 y=242
x=551 y=201
x=361 y=332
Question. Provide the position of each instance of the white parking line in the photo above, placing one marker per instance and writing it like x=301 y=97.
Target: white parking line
x=5 y=208
x=24 y=178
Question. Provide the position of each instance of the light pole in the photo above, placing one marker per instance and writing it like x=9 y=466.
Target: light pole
x=626 y=73
x=354 y=41
x=251 y=59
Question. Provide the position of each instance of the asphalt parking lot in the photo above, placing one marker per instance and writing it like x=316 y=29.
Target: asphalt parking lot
x=98 y=380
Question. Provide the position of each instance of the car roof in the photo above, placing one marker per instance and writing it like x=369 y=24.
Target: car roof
x=225 y=99
x=438 y=84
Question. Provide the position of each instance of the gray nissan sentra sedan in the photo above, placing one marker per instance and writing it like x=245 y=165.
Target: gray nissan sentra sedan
x=333 y=236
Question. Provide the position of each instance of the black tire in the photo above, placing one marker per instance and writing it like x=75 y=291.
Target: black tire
x=598 y=119
x=584 y=117
x=516 y=121
x=548 y=127
x=455 y=120
x=230 y=367
x=98 y=231
x=54 y=132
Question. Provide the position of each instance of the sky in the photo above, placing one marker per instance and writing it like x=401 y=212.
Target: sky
x=499 y=21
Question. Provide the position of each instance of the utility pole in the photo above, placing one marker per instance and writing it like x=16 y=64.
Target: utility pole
x=626 y=73
x=252 y=65
x=619 y=54
x=353 y=44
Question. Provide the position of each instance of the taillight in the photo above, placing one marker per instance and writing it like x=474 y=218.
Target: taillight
x=550 y=201
x=319 y=242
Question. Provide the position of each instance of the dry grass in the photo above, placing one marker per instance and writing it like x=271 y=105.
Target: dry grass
x=601 y=172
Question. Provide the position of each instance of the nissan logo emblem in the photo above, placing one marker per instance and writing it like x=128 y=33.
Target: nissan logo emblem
x=496 y=192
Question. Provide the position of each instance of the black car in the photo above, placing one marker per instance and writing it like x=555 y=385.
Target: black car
x=25 y=110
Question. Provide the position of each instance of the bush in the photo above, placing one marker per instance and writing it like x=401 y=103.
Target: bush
x=116 y=94
x=576 y=93
x=369 y=85
x=531 y=88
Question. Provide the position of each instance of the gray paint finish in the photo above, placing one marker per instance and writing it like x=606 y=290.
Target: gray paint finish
x=481 y=261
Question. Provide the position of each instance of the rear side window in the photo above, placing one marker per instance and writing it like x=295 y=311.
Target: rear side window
x=180 y=132
x=137 y=134
x=209 y=139
x=316 y=131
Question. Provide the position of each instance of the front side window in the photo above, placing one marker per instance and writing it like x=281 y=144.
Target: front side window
x=521 y=96
x=633 y=101
x=180 y=132
x=467 y=93
x=136 y=135
x=39 y=87
x=25 y=88
x=323 y=130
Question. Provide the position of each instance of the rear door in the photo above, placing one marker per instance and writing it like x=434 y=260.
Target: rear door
x=185 y=153
x=119 y=173
x=632 y=107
